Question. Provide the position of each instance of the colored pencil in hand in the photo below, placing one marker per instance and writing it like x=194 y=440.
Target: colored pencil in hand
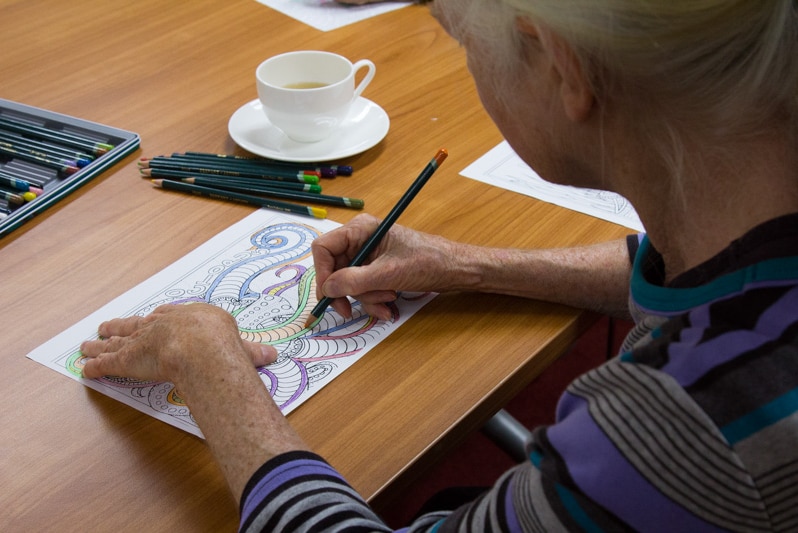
x=382 y=229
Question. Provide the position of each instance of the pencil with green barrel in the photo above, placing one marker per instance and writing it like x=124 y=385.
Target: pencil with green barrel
x=210 y=192
x=383 y=228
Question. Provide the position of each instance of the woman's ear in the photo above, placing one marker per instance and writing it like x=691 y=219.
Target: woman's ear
x=575 y=90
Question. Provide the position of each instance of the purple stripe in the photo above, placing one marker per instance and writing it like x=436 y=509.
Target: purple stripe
x=605 y=476
x=689 y=360
x=273 y=480
x=780 y=315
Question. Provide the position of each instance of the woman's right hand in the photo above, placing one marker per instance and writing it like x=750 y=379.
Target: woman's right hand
x=405 y=260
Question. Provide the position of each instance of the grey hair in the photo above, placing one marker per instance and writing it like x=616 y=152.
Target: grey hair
x=725 y=68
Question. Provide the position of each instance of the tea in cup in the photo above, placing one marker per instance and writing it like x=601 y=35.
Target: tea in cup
x=308 y=94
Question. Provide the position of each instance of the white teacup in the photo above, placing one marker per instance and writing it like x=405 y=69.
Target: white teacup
x=307 y=94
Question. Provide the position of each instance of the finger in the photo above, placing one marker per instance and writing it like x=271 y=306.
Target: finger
x=261 y=354
x=358 y=281
x=373 y=306
x=120 y=327
x=342 y=306
x=334 y=250
x=378 y=311
x=93 y=348
x=103 y=364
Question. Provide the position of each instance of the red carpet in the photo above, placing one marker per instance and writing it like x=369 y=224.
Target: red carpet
x=478 y=462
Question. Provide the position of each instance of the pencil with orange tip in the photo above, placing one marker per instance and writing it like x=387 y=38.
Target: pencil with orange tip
x=382 y=229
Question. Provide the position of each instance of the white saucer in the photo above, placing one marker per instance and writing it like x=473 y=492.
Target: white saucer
x=366 y=125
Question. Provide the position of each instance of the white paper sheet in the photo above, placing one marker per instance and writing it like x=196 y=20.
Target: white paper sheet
x=326 y=15
x=502 y=167
x=259 y=270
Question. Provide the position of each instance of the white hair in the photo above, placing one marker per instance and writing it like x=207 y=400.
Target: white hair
x=721 y=68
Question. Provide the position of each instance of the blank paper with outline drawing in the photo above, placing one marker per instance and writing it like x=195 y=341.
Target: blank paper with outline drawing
x=261 y=271
x=502 y=167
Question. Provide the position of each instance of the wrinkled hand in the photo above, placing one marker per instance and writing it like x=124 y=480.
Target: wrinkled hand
x=405 y=260
x=169 y=343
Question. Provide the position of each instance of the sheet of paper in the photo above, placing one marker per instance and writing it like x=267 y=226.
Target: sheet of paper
x=261 y=271
x=326 y=15
x=502 y=167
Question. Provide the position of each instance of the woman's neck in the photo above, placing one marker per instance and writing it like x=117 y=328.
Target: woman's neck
x=692 y=218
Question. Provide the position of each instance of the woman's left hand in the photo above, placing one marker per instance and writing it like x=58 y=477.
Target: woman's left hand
x=168 y=343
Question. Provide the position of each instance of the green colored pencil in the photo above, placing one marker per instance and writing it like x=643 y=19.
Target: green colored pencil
x=222 y=170
x=255 y=182
x=340 y=201
x=59 y=137
x=209 y=192
x=324 y=170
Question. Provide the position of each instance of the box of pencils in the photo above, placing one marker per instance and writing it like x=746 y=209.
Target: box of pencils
x=45 y=155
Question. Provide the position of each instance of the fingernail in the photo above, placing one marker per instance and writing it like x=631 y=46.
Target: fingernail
x=330 y=289
x=267 y=352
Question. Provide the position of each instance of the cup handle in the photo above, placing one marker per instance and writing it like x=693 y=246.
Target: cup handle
x=368 y=77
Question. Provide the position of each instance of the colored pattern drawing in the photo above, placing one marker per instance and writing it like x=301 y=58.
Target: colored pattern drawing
x=264 y=277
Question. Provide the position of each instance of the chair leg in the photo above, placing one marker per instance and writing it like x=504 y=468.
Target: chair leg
x=508 y=434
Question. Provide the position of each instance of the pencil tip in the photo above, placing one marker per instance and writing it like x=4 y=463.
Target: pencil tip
x=310 y=321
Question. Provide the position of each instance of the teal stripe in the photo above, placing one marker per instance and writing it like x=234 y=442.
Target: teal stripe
x=770 y=413
x=536 y=458
x=567 y=499
x=437 y=526
x=670 y=300
x=575 y=510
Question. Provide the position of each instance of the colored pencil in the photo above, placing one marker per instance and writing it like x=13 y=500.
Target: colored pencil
x=12 y=197
x=59 y=137
x=50 y=150
x=65 y=167
x=340 y=201
x=326 y=171
x=254 y=168
x=254 y=182
x=209 y=192
x=15 y=183
x=382 y=229
x=31 y=176
x=271 y=174
x=5 y=208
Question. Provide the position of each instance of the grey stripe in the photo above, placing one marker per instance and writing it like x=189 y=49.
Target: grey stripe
x=661 y=431
x=534 y=512
x=640 y=334
x=349 y=501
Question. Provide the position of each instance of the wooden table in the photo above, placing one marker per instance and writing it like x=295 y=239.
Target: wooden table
x=174 y=72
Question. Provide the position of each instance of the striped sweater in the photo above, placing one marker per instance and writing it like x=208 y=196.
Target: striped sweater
x=693 y=427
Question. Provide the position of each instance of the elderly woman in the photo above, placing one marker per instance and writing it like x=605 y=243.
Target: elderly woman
x=690 y=110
